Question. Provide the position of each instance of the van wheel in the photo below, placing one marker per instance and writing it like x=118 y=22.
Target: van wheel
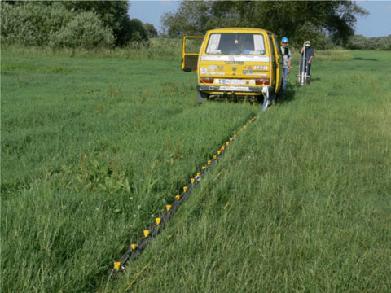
x=202 y=97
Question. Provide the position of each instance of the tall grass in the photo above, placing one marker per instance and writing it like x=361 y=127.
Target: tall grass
x=157 y=48
x=91 y=149
x=301 y=202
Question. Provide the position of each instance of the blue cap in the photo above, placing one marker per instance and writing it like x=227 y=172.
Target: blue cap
x=284 y=40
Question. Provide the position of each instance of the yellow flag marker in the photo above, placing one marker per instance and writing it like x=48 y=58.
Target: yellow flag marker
x=219 y=152
x=168 y=207
x=133 y=246
x=146 y=233
x=117 y=265
x=185 y=188
x=157 y=221
x=192 y=180
x=209 y=162
x=198 y=174
x=227 y=143
x=177 y=197
x=222 y=148
x=214 y=157
x=203 y=167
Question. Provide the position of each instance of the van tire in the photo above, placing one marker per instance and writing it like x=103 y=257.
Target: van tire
x=202 y=97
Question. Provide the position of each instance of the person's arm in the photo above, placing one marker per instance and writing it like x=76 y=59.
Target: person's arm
x=289 y=60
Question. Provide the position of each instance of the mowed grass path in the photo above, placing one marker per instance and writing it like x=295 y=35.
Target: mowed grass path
x=91 y=149
x=301 y=202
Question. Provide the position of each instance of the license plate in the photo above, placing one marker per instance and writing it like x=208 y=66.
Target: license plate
x=234 y=88
x=234 y=81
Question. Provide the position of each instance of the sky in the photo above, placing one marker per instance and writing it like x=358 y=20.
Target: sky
x=376 y=24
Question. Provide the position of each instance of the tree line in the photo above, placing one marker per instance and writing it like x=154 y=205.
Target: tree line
x=325 y=23
x=91 y=24
x=359 y=42
x=86 y=24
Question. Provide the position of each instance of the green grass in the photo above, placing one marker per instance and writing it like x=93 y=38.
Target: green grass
x=301 y=202
x=93 y=147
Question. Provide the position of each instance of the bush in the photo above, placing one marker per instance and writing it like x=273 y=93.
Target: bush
x=85 y=30
x=359 y=42
x=43 y=24
x=31 y=24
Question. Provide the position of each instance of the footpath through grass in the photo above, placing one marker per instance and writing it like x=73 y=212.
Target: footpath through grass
x=301 y=202
x=91 y=148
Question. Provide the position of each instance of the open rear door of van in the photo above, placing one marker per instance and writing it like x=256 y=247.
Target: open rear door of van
x=278 y=59
x=190 y=52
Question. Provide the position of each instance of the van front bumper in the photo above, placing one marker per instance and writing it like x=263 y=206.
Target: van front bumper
x=230 y=89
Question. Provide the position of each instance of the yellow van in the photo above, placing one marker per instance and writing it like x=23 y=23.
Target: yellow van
x=235 y=62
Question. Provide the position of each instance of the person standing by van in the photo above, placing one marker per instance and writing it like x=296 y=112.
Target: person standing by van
x=286 y=62
x=309 y=53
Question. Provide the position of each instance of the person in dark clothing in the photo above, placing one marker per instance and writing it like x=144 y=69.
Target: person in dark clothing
x=309 y=55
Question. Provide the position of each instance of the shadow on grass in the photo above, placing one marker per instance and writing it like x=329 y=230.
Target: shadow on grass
x=289 y=94
x=232 y=99
x=365 y=59
x=286 y=97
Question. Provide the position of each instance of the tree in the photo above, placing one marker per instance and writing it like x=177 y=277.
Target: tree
x=114 y=14
x=52 y=24
x=133 y=30
x=298 y=20
x=85 y=30
x=151 y=30
x=32 y=23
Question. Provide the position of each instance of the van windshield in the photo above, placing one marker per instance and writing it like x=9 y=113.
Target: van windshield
x=236 y=44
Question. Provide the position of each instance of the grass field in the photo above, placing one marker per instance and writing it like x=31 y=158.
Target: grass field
x=93 y=147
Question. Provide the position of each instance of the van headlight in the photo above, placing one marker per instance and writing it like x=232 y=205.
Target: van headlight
x=262 y=81
x=206 y=79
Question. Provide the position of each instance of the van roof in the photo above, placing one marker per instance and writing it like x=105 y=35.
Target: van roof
x=238 y=29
